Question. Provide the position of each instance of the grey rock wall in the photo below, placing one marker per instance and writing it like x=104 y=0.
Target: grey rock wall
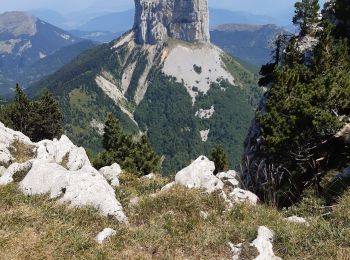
x=157 y=20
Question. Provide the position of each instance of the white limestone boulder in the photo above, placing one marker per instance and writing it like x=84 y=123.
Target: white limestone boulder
x=200 y=175
x=112 y=173
x=7 y=138
x=263 y=244
x=8 y=174
x=104 y=235
x=63 y=151
x=85 y=187
x=243 y=196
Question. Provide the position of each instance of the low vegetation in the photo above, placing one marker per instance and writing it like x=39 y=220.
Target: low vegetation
x=167 y=225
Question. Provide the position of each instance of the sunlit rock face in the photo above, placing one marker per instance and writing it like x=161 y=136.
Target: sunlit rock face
x=157 y=20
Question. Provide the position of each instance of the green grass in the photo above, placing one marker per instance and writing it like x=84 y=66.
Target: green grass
x=165 y=226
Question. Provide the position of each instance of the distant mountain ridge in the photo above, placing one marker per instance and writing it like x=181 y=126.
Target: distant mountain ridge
x=26 y=41
x=252 y=43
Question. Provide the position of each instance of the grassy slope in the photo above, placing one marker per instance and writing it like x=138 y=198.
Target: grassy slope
x=167 y=226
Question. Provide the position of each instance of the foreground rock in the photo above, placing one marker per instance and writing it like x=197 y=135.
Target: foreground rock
x=263 y=244
x=7 y=138
x=243 y=196
x=62 y=170
x=112 y=173
x=200 y=175
x=104 y=235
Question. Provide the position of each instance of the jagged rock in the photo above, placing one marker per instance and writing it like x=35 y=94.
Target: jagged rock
x=85 y=187
x=7 y=138
x=229 y=178
x=200 y=175
x=112 y=173
x=243 y=196
x=63 y=151
x=263 y=244
x=297 y=220
x=104 y=235
x=8 y=175
x=156 y=20
x=80 y=185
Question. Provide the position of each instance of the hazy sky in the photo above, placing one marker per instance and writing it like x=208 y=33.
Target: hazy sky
x=267 y=7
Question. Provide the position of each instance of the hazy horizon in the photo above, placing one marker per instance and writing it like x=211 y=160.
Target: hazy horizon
x=268 y=7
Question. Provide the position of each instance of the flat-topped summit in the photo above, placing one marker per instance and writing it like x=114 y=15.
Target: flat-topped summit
x=157 y=20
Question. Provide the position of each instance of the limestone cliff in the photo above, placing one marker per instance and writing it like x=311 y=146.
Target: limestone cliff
x=157 y=20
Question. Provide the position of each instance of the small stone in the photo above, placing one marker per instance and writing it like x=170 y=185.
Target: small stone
x=297 y=220
x=104 y=235
x=204 y=215
x=242 y=196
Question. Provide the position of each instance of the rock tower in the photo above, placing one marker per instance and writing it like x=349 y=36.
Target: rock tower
x=157 y=20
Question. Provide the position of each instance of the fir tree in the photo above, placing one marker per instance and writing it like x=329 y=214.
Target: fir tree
x=46 y=118
x=306 y=16
x=20 y=111
x=219 y=157
x=135 y=156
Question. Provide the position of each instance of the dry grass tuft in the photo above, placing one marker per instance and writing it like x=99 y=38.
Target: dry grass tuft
x=167 y=225
x=22 y=152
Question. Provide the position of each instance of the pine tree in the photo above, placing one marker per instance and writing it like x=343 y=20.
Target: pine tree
x=20 y=111
x=46 y=118
x=306 y=16
x=219 y=157
x=135 y=156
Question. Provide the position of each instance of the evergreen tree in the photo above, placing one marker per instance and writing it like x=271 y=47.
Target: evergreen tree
x=20 y=111
x=219 y=157
x=135 y=156
x=306 y=16
x=46 y=118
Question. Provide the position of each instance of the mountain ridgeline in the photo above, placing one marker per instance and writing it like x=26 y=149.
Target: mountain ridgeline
x=31 y=49
x=165 y=79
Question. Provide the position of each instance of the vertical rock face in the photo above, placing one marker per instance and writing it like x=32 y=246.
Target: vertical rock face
x=157 y=20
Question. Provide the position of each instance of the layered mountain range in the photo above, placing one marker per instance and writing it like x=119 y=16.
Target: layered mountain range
x=26 y=46
x=163 y=78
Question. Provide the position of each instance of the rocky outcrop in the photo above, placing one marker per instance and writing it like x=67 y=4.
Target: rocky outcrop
x=263 y=245
x=111 y=173
x=200 y=175
x=157 y=20
x=61 y=170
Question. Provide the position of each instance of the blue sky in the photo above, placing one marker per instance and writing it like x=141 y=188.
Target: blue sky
x=266 y=7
